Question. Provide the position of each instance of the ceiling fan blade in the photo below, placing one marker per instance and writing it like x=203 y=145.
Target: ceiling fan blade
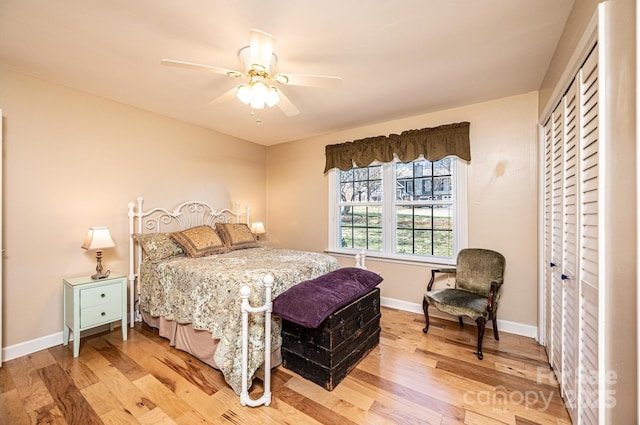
x=225 y=97
x=322 y=81
x=262 y=45
x=189 y=65
x=287 y=106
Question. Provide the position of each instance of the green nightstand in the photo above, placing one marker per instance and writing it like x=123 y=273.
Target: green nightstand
x=89 y=303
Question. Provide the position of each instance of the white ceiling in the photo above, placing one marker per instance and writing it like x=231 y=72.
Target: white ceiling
x=396 y=58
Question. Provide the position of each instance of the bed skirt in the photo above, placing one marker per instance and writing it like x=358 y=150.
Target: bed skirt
x=196 y=342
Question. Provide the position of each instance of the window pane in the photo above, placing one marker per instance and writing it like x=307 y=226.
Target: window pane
x=442 y=187
x=345 y=215
x=360 y=191
x=360 y=174
x=375 y=239
x=346 y=237
x=404 y=170
x=359 y=237
x=374 y=217
x=346 y=192
x=360 y=216
x=423 y=242
x=375 y=172
x=404 y=190
x=442 y=167
x=422 y=168
x=442 y=217
x=375 y=190
x=422 y=217
x=443 y=244
x=404 y=217
x=423 y=189
x=346 y=176
x=404 y=241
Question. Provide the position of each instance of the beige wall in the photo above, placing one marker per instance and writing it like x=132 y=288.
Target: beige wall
x=501 y=189
x=620 y=175
x=576 y=24
x=73 y=161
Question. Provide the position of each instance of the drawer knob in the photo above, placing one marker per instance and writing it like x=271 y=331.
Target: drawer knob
x=103 y=313
x=103 y=295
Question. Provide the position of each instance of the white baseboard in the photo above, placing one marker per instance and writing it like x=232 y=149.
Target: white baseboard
x=45 y=342
x=29 y=347
x=503 y=325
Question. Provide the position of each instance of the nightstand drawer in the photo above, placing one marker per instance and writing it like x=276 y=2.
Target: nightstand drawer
x=100 y=295
x=103 y=313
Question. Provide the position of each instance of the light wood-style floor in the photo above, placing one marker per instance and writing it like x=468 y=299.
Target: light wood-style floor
x=410 y=378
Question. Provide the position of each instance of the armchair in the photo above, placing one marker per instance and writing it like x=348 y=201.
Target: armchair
x=479 y=276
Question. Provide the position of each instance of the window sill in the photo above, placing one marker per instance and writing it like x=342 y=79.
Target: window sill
x=385 y=258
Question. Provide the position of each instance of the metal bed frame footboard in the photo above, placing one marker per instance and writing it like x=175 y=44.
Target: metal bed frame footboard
x=189 y=214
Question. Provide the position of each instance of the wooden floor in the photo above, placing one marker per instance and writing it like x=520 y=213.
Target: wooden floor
x=410 y=378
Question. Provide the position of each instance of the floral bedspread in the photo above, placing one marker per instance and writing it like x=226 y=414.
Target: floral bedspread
x=206 y=293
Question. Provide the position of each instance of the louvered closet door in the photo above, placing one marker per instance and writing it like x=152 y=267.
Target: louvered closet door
x=570 y=260
x=572 y=250
x=589 y=278
x=548 y=235
x=557 y=221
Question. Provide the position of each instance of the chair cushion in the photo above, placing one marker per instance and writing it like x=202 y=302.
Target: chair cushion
x=458 y=302
x=477 y=268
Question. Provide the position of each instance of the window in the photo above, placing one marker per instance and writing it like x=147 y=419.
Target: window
x=410 y=211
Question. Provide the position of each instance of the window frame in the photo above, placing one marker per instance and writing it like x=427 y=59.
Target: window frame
x=459 y=210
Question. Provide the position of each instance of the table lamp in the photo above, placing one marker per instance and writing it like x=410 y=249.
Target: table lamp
x=257 y=229
x=98 y=239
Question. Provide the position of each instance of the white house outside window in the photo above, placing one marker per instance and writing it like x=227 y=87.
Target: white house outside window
x=412 y=211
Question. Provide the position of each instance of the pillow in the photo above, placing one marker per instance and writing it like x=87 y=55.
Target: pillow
x=199 y=241
x=309 y=303
x=236 y=235
x=158 y=246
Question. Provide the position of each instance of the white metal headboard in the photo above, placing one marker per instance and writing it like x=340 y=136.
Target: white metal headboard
x=158 y=220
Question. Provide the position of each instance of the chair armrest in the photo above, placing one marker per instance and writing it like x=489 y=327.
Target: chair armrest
x=433 y=275
x=498 y=283
x=493 y=292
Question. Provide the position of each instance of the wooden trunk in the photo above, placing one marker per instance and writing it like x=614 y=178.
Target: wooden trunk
x=326 y=354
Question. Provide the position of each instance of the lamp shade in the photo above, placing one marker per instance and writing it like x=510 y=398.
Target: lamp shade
x=98 y=238
x=257 y=228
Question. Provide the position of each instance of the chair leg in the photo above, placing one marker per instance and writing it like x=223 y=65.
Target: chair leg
x=481 y=322
x=495 y=329
x=460 y=321
x=425 y=308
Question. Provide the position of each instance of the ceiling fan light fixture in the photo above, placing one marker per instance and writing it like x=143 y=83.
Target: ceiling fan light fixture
x=259 y=92
x=273 y=97
x=244 y=93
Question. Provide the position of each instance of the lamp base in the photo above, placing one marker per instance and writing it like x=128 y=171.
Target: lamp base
x=101 y=275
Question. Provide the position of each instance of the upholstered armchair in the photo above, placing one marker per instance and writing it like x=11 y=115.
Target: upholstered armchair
x=479 y=276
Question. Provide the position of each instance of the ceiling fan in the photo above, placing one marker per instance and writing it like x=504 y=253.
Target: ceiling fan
x=261 y=87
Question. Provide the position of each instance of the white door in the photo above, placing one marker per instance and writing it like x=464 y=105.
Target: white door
x=590 y=240
x=1 y=240
x=557 y=222
x=570 y=259
x=548 y=238
x=572 y=252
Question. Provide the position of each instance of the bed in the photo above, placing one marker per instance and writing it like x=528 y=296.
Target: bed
x=216 y=306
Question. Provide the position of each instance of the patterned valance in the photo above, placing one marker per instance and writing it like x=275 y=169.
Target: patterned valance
x=433 y=143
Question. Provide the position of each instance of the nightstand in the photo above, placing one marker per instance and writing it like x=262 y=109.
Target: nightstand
x=89 y=303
